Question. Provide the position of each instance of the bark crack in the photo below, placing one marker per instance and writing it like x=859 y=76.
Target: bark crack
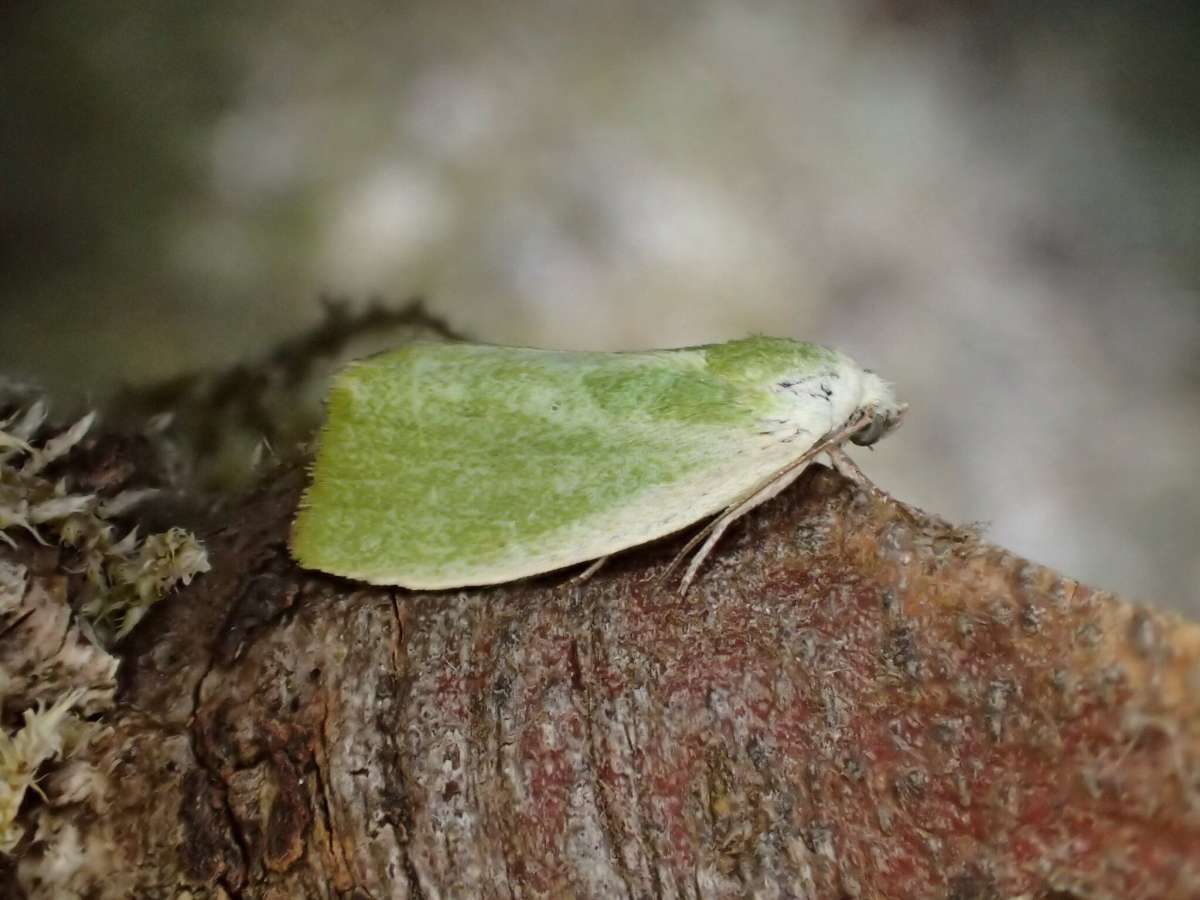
x=333 y=846
x=215 y=781
x=498 y=692
x=643 y=823
x=595 y=758
x=411 y=875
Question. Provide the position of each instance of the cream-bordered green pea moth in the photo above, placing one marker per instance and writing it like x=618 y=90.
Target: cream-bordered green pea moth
x=449 y=465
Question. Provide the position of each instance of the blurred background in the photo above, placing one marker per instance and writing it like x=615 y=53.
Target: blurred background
x=995 y=205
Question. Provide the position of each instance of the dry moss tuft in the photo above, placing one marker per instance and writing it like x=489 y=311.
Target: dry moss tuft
x=57 y=623
x=124 y=576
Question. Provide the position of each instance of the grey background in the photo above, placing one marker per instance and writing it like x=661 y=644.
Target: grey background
x=995 y=205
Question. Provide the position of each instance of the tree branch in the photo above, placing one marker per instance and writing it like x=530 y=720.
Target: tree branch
x=851 y=702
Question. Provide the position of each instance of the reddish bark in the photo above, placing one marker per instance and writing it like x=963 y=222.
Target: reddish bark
x=852 y=702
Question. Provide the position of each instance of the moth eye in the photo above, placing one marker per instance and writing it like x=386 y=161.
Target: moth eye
x=872 y=433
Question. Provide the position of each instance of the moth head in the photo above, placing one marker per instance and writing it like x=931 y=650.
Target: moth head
x=880 y=408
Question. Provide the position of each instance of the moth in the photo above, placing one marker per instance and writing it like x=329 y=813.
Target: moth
x=451 y=465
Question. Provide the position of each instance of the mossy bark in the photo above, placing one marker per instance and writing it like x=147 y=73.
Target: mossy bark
x=853 y=701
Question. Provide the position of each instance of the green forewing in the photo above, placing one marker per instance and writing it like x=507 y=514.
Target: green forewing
x=443 y=465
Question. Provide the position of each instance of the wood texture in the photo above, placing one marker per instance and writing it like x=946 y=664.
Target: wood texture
x=852 y=702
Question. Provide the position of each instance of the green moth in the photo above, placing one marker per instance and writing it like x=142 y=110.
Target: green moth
x=448 y=465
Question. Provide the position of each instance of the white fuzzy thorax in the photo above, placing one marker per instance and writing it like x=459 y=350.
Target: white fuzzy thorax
x=877 y=394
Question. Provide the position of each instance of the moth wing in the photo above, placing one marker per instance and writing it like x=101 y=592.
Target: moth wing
x=452 y=465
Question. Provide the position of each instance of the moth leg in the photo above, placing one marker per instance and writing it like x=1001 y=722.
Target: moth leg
x=689 y=547
x=713 y=530
x=712 y=526
x=731 y=515
x=587 y=573
x=849 y=469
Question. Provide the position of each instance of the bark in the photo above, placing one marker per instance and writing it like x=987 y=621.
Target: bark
x=855 y=700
